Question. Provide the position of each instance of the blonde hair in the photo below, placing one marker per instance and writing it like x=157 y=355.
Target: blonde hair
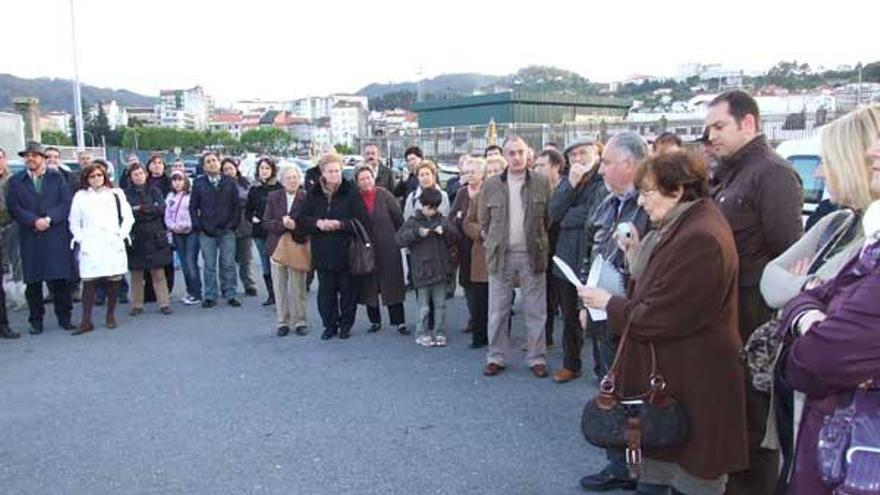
x=496 y=160
x=478 y=163
x=844 y=143
x=327 y=159
x=429 y=165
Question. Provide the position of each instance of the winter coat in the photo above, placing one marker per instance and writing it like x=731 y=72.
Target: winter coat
x=494 y=215
x=45 y=255
x=330 y=249
x=685 y=303
x=385 y=177
x=464 y=244
x=162 y=183
x=760 y=194
x=177 y=218
x=214 y=211
x=256 y=206
x=471 y=228
x=149 y=246
x=276 y=209
x=244 y=227
x=833 y=358
x=429 y=256
x=385 y=221
x=96 y=227
x=571 y=208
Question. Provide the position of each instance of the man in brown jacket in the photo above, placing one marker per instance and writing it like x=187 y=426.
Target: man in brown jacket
x=760 y=194
x=514 y=222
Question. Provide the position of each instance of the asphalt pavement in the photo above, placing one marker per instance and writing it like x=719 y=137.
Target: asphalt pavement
x=210 y=401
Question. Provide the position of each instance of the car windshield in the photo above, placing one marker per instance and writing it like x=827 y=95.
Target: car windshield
x=806 y=166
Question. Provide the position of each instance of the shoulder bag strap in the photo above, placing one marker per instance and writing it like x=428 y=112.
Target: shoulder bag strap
x=118 y=207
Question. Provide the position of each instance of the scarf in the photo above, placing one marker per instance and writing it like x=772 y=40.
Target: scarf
x=369 y=199
x=662 y=227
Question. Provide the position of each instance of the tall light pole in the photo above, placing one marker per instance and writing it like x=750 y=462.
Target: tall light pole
x=77 y=97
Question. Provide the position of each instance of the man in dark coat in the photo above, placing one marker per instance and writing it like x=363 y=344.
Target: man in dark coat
x=39 y=200
x=214 y=209
x=385 y=177
x=408 y=181
x=760 y=194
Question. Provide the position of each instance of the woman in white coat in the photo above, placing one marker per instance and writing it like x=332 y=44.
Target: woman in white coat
x=100 y=221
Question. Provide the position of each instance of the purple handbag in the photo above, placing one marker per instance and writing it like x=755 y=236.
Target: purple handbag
x=849 y=445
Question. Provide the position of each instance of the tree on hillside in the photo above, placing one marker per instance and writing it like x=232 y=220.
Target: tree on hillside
x=55 y=138
x=269 y=140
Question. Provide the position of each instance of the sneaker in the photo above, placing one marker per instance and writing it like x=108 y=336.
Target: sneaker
x=440 y=341
x=425 y=341
x=189 y=300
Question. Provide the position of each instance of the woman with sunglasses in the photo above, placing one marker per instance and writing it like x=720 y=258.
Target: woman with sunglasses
x=101 y=239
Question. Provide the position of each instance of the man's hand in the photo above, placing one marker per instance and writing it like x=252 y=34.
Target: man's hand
x=42 y=224
x=255 y=220
x=438 y=230
x=577 y=173
x=423 y=232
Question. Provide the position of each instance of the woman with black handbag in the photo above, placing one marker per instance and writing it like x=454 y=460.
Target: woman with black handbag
x=329 y=215
x=677 y=374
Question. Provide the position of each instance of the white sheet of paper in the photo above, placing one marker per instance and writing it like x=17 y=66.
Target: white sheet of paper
x=567 y=271
x=593 y=281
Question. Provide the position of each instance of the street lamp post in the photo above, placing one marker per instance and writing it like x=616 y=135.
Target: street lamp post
x=77 y=96
x=91 y=136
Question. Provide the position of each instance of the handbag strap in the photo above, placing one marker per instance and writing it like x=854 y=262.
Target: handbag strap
x=840 y=232
x=118 y=208
x=608 y=384
x=360 y=232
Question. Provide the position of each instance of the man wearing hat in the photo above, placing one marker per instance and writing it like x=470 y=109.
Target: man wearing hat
x=38 y=200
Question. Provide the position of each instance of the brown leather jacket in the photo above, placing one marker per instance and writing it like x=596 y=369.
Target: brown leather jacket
x=761 y=197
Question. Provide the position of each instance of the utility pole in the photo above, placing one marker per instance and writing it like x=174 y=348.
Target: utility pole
x=77 y=96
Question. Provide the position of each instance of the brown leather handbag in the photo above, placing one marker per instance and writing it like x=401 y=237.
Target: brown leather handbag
x=293 y=254
x=650 y=420
x=361 y=254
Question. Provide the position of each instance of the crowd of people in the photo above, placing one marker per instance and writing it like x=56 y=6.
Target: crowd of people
x=664 y=261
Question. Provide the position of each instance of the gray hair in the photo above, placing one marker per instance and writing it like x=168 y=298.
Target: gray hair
x=283 y=172
x=629 y=143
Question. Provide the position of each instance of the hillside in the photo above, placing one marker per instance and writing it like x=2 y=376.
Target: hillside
x=57 y=94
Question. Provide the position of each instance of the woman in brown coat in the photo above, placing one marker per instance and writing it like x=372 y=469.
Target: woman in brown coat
x=387 y=278
x=683 y=301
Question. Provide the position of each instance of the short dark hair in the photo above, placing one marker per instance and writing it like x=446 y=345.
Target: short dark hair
x=51 y=148
x=363 y=168
x=676 y=169
x=414 y=150
x=739 y=104
x=492 y=147
x=668 y=138
x=554 y=157
x=272 y=165
x=551 y=144
x=133 y=167
x=87 y=171
x=431 y=197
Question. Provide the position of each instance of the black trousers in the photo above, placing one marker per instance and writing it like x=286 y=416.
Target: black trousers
x=337 y=298
x=60 y=296
x=572 y=333
x=478 y=305
x=4 y=322
x=552 y=304
x=395 y=314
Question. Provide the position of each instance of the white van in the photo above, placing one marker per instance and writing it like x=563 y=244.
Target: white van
x=803 y=154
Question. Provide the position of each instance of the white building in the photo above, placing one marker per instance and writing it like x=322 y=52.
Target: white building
x=185 y=108
x=56 y=121
x=148 y=116
x=348 y=120
x=233 y=123
x=258 y=105
x=318 y=107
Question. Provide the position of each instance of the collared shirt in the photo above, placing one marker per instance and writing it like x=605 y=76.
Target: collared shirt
x=615 y=209
x=37 y=180
x=215 y=180
x=290 y=199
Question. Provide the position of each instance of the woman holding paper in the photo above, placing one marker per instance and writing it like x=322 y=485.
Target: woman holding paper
x=682 y=303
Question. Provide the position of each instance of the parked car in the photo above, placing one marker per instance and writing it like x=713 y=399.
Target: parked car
x=803 y=154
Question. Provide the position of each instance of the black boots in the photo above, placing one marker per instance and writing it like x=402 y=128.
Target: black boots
x=112 y=297
x=269 y=290
x=7 y=333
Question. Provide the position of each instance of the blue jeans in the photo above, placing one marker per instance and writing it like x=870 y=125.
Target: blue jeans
x=187 y=247
x=264 y=256
x=224 y=249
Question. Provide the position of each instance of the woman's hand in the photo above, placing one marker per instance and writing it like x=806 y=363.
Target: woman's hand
x=800 y=266
x=288 y=222
x=594 y=298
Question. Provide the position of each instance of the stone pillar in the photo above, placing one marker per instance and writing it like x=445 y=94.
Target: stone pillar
x=29 y=108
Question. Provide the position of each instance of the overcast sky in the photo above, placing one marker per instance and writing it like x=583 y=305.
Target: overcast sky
x=281 y=50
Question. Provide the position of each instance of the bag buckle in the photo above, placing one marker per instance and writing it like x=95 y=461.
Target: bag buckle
x=633 y=456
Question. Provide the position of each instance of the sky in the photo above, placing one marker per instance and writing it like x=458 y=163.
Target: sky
x=284 y=50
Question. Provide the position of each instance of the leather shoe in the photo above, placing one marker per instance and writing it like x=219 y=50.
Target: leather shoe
x=328 y=334
x=344 y=333
x=540 y=370
x=301 y=330
x=250 y=292
x=283 y=331
x=7 y=333
x=563 y=375
x=209 y=303
x=234 y=303
x=36 y=328
x=492 y=369
x=135 y=311
x=403 y=330
x=84 y=328
x=166 y=310
x=66 y=325
x=604 y=482
x=375 y=327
